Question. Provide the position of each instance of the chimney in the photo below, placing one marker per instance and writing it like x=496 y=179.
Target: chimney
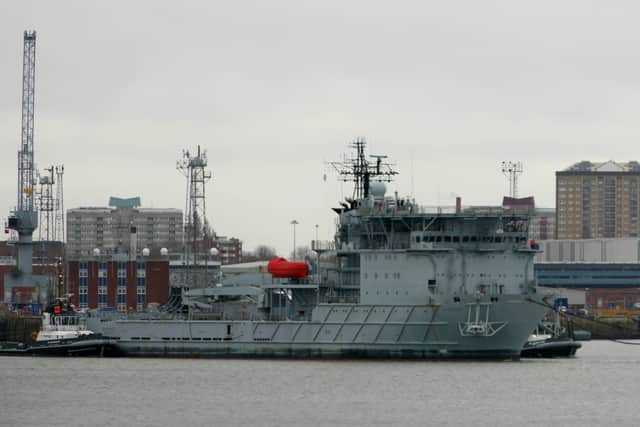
x=458 y=204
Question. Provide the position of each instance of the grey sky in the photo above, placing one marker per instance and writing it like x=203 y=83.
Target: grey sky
x=272 y=89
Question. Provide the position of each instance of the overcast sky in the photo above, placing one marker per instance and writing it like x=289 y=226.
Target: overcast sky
x=273 y=89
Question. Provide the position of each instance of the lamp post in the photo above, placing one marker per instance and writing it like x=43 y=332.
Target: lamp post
x=294 y=223
x=317 y=257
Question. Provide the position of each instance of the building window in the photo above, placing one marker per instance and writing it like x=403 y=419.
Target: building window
x=141 y=286
x=83 y=289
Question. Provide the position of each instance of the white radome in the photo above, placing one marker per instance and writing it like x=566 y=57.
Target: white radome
x=377 y=189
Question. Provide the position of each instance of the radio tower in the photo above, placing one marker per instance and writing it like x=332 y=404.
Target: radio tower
x=46 y=206
x=512 y=170
x=24 y=218
x=59 y=220
x=193 y=168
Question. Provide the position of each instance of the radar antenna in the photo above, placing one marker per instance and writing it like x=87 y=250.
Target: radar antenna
x=361 y=171
x=512 y=170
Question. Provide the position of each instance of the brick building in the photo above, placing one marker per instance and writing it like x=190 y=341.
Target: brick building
x=542 y=225
x=126 y=285
x=47 y=261
x=598 y=200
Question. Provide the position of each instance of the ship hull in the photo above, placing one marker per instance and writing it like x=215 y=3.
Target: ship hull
x=464 y=330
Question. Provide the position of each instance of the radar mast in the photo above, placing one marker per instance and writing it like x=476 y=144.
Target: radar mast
x=361 y=171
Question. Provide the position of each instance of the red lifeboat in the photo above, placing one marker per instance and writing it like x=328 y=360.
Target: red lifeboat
x=280 y=267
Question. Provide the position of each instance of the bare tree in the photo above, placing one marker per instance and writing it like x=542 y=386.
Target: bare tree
x=303 y=253
x=260 y=253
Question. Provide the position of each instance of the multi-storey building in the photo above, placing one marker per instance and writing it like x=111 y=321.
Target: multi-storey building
x=122 y=228
x=229 y=249
x=597 y=200
x=126 y=285
x=543 y=220
x=543 y=224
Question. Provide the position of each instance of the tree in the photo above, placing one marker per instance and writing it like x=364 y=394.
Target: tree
x=208 y=235
x=302 y=253
x=260 y=253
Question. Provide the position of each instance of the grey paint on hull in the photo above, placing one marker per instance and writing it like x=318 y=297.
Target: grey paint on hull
x=340 y=330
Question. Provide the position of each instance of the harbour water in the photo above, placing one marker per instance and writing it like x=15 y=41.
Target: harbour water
x=598 y=387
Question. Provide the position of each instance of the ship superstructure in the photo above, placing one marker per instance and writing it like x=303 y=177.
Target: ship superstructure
x=397 y=281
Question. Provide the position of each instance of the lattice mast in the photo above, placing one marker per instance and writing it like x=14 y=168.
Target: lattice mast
x=24 y=218
x=59 y=234
x=193 y=167
x=361 y=171
x=512 y=170
x=46 y=205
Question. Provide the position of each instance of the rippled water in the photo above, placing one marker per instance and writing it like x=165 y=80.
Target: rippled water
x=598 y=387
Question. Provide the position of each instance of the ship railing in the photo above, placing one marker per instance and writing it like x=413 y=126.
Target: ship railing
x=413 y=209
x=322 y=245
x=478 y=323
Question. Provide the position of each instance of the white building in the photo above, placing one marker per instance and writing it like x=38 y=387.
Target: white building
x=590 y=251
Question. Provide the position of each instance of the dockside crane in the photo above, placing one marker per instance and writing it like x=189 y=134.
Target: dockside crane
x=24 y=219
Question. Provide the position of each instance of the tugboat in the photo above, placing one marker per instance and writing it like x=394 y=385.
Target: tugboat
x=61 y=322
x=551 y=340
x=63 y=333
x=398 y=281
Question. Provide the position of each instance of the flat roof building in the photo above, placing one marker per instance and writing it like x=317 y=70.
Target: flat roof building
x=122 y=228
x=597 y=200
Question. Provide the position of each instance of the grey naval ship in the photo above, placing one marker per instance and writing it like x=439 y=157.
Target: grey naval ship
x=397 y=282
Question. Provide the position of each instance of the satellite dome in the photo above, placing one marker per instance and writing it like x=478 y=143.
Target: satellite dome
x=96 y=252
x=145 y=252
x=213 y=251
x=377 y=189
x=164 y=251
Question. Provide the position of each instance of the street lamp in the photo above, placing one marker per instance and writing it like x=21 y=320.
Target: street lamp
x=317 y=256
x=294 y=223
